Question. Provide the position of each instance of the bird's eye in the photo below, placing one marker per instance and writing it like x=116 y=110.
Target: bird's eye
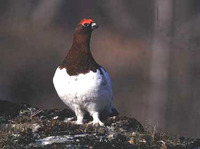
x=85 y=24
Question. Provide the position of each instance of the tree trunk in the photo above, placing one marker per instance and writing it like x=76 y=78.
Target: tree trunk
x=159 y=60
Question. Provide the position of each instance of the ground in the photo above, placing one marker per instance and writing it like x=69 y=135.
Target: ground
x=25 y=126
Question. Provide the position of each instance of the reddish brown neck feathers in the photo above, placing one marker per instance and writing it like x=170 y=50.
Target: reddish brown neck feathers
x=79 y=58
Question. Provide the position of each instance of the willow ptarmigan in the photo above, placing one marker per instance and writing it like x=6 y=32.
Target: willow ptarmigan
x=81 y=83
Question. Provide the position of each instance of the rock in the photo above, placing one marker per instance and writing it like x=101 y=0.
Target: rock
x=24 y=126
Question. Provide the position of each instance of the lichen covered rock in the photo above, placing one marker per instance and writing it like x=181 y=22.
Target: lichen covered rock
x=24 y=126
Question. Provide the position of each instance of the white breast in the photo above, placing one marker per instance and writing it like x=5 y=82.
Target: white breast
x=91 y=91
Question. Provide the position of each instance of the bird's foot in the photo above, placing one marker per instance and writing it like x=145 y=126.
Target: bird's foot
x=79 y=122
x=72 y=121
x=94 y=123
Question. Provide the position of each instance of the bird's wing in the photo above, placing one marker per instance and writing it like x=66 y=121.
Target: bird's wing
x=105 y=76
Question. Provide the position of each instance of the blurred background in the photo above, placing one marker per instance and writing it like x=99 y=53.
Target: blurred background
x=151 y=50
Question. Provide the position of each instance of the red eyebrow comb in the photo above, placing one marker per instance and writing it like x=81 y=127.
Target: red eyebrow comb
x=88 y=21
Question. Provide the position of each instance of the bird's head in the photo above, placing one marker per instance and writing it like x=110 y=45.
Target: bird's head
x=85 y=27
x=83 y=31
x=88 y=24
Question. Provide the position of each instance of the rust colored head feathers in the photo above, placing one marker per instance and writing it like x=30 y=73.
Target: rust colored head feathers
x=87 y=21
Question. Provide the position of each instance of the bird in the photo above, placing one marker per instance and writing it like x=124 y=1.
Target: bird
x=80 y=82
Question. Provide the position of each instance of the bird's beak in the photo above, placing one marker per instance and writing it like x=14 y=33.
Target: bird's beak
x=94 y=25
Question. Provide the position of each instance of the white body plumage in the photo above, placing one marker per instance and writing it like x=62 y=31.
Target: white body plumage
x=90 y=92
